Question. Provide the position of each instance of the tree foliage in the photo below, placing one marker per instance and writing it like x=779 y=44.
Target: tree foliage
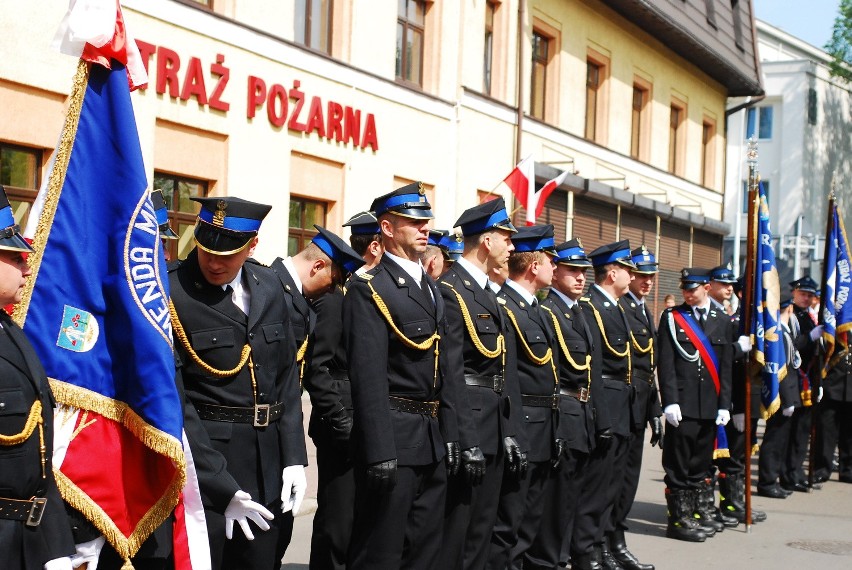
x=840 y=44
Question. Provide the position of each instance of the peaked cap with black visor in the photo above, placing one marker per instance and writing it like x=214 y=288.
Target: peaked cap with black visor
x=409 y=202
x=572 y=254
x=227 y=225
x=10 y=233
x=485 y=217
x=162 y=214
x=340 y=253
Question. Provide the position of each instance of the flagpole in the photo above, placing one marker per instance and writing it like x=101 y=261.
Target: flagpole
x=748 y=304
x=819 y=361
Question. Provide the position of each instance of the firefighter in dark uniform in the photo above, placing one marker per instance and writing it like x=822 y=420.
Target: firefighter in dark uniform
x=646 y=400
x=405 y=414
x=522 y=502
x=694 y=375
x=35 y=532
x=793 y=478
x=608 y=322
x=481 y=354
x=773 y=448
x=330 y=426
x=243 y=412
x=579 y=387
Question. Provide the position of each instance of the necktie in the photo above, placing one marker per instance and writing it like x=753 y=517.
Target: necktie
x=701 y=317
x=424 y=286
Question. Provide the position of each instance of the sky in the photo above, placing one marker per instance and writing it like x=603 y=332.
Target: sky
x=808 y=20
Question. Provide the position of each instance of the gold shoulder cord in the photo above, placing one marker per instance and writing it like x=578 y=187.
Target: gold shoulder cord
x=300 y=359
x=609 y=347
x=539 y=361
x=425 y=345
x=587 y=366
x=33 y=419
x=474 y=337
x=645 y=350
x=215 y=372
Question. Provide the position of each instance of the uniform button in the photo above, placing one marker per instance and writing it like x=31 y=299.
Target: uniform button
x=2 y=405
x=261 y=395
x=251 y=335
x=215 y=340
x=256 y=366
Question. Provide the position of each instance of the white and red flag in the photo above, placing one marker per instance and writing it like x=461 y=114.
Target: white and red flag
x=521 y=181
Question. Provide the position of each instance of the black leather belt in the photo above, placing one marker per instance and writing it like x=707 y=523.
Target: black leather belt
x=612 y=378
x=582 y=394
x=30 y=510
x=260 y=415
x=642 y=376
x=551 y=402
x=495 y=382
x=414 y=406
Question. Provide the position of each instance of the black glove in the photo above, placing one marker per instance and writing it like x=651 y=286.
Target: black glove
x=452 y=457
x=381 y=476
x=522 y=469
x=340 y=423
x=559 y=447
x=513 y=456
x=603 y=441
x=656 y=433
x=473 y=462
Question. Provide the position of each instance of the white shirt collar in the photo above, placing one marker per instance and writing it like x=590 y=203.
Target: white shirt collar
x=476 y=273
x=705 y=306
x=413 y=268
x=525 y=295
x=291 y=268
x=568 y=300
x=236 y=283
x=638 y=301
x=606 y=294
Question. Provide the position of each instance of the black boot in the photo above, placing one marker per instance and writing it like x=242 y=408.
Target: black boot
x=700 y=512
x=607 y=559
x=681 y=524
x=618 y=548
x=732 y=498
x=756 y=516
x=589 y=561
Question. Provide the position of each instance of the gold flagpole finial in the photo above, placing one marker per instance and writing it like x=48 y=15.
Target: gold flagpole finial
x=751 y=153
x=832 y=194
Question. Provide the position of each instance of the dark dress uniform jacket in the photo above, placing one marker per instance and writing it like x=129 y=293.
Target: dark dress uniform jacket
x=381 y=365
x=233 y=456
x=535 y=329
x=577 y=422
x=302 y=316
x=646 y=401
x=614 y=370
x=22 y=381
x=689 y=384
x=496 y=415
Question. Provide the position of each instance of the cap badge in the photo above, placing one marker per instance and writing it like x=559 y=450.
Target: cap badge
x=219 y=215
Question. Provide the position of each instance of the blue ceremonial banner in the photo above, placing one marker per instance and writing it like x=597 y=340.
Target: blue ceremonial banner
x=836 y=311
x=97 y=312
x=768 y=341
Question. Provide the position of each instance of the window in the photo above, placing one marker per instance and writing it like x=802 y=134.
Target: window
x=593 y=84
x=812 y=106
x=738 y=24
x=304 y=213
x=20 y=174
x=745 y=193
x=313 y=24
x=538 y=84
x=177 y=191
x=710 y=6
x=708 y=153
x=759 y=123
x=639 y=123
x=409 y=41
x=488 y=54
x=677 y=137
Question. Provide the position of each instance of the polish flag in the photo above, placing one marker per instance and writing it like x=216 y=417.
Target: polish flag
x=521 y=181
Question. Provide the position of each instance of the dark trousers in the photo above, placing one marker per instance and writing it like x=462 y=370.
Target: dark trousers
x=687 y=451
x=263 y=553
x=557 y=517
x=510 y=515
x=619 y=451
x=542 y=477
x=630 y=483
x=457 y=517
x=773 y=449
x=797 y=448
x=835 y=430
x=588 y=518
x=485 y=500
x=403 y=527
x=335 y=506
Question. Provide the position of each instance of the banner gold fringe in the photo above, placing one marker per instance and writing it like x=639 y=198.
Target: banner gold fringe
x=720 y=453
x=54 y=187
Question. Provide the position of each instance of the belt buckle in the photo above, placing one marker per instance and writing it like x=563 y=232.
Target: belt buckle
x=554 y=402
x=497 y=383
x=434 y=406
x=261 y=415
x=36 y=511
x=583 y=395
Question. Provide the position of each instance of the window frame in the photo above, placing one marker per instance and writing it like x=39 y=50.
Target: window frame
x=596 y=108
x=24 y=194
x=403 y=65
x=329 y=16
x=677 y=137
x=708 y=152
x=177 y=217
x=488 y=48
x=640 y=127
x=302 y=234
x=767 y=191
x=757 y=118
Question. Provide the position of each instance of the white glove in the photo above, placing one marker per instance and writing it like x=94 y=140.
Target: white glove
x=739 y=422
x=745 y=343
x=723 y=417
x=816 y=333
x=819 y=394
x=240 y=509
x=293 y=489
x=672 y=413
x=88 y=553
x=788 y=411
x=58 y=564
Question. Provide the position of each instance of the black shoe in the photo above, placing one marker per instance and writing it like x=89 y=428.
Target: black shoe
x=799 y=487
x=821 y=476
x=773 y=492
x=618 y=548
x=585 y=562
x=608 y=561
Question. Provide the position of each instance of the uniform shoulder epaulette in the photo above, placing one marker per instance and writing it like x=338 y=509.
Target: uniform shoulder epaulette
x=173 y=265
x=501 y=300
x=364 y=276
x=255 y=262
x=586 y=299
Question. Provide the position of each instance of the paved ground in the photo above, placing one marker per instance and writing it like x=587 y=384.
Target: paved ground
x=806 y=530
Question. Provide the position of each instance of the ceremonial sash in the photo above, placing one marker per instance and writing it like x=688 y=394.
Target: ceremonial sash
x=700 y=342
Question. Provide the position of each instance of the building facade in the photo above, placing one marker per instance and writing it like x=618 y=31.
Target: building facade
x=317 y=106
x=802 y=131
